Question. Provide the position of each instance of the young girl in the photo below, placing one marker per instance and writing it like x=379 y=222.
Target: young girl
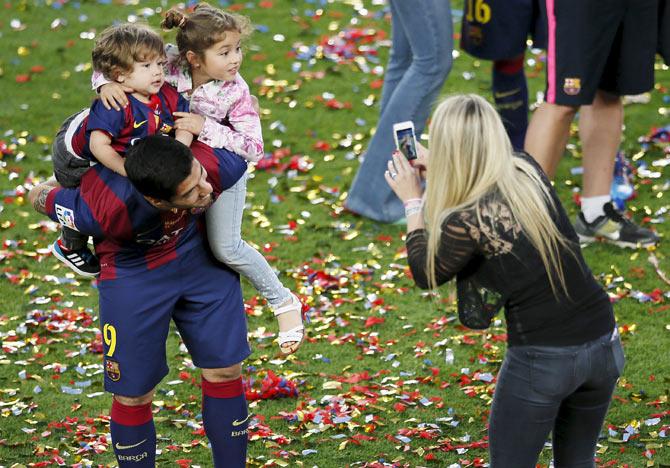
x=204 y=67
x=493 y=220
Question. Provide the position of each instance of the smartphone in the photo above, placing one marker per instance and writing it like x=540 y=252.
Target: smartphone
x=405 y=140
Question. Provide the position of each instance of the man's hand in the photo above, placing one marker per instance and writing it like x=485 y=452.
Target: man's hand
x=38 y=195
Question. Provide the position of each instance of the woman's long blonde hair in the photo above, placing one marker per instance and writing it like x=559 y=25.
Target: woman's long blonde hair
x=470 y=155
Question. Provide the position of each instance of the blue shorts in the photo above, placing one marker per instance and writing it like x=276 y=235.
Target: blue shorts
x=204 y=299
x=499 y=29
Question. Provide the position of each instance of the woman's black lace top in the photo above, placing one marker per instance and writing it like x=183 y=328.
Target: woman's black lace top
x=496 y=266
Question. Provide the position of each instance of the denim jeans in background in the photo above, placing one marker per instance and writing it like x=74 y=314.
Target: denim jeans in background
x=224 y=233
x=420 y=61
x=565 y=390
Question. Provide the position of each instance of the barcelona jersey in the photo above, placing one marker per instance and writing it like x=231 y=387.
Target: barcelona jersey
x=137 y=120
x=131 y=235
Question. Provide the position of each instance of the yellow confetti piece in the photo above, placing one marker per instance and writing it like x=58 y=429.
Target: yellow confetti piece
x=332 y=385
x=350 y=235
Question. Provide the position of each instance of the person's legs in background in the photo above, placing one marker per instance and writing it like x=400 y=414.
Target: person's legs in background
x=575 y=60
x=600 y=130
x=400 y=59
x=510 y=93
x=426 y=27
x=499 y=32
x=627 y=70
x=548 y=134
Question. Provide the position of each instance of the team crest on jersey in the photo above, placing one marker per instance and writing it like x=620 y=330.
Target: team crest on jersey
x=475 y=35
x=65 y=217
x=572 y=86
x=112 y=370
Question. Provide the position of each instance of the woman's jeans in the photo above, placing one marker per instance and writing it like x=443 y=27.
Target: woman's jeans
x=224 y=226
x=565 y=390
x=419 y=63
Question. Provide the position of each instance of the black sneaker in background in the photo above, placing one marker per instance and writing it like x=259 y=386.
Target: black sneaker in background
x=81 y=260
x=614 y=228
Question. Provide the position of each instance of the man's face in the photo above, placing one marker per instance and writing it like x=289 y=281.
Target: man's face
x=194 y=191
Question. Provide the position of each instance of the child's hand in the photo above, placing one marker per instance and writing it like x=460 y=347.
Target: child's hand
x=114 y=95
x=192 y=123
x=255 y=104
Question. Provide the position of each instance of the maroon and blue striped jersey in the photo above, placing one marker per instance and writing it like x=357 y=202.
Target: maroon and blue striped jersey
x=131 y=235
x=137 y=120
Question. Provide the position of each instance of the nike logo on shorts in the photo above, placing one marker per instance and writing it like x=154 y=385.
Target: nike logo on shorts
x=239 y=423
x=125 y=447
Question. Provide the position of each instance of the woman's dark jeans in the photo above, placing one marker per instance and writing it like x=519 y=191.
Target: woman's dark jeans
x=565 y=390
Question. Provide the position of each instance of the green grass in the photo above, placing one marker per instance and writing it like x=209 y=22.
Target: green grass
x=345 y=265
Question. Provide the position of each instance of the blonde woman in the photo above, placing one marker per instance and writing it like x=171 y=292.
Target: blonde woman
x=490 y=218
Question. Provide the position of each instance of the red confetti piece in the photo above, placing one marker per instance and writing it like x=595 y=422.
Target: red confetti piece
x=372 y=321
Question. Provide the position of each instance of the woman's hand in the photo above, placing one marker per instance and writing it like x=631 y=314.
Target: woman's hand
x=421 y=162
x=114 y=95
x=403 y=179
x=192 y=123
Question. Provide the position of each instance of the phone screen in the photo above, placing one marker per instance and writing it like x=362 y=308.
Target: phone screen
x=407 y=143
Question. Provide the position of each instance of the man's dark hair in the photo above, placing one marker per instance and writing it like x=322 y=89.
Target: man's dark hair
x=156 y=165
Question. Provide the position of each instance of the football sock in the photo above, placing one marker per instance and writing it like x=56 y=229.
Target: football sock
x=225 y=417
x=510 y=93
x=133 y=435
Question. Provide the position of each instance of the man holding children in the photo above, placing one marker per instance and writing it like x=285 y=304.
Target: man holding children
x=141 y=195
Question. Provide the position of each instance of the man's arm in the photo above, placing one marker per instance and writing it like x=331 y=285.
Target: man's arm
x=38 y=195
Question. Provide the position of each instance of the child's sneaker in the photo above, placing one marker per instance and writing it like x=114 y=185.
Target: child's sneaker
x=81 y=260
x=290 y=340
x=614 y=228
